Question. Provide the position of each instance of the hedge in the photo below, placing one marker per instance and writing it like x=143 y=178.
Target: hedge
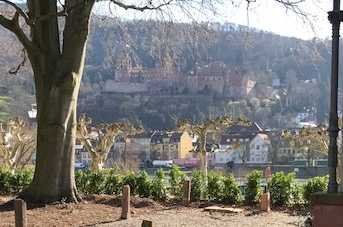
x=221 y=188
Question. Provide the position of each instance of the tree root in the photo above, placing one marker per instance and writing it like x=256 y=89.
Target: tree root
x=32 y=196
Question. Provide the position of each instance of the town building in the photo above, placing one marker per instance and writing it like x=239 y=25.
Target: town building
x=171 y=145
x=259 y=149
x=137 y=148
x=243 y=144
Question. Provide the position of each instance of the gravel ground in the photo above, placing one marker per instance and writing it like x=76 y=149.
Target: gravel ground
x=104 y=211
x=193 y=217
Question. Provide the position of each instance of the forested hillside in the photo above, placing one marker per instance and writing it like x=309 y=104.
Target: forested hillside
x=151 y=43
x=184 y=49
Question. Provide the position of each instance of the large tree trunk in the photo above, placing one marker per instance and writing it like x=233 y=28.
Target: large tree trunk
x=54 y=173
x=57 y=73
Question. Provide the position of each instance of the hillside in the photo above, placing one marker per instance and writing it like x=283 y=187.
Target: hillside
x=139 y=56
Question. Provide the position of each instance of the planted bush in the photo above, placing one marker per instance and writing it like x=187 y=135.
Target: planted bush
x=81 y=180
x=283 y=189
x=130 y=179
x=253 y=190
x=14 y=182
x=231 y=192
x=198 y=185
x=113 y=184
x=89 y=182
x=297 y=194
x=159 y=189
x=280 y=188
x=316 y=184
x=20 y=180
x=176 y=179
x=5 y=175
x=96 y=182
x=143 y=184
x=215 y=186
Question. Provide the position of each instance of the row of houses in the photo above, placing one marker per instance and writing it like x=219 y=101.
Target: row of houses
x=146 y=147
x=236 y=145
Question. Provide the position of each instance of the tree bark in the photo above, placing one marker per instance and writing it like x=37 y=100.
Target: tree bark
x=54 y=173
x=204 y=163
x=97 y=162
x=57 y=74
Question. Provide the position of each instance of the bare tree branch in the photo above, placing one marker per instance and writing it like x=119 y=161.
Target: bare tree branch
x=148 y=6
x=15 y=70
x=14 y=26
x=19 y=10
x=293 y=5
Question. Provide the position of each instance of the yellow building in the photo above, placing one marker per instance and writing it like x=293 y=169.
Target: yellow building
x=171 y=145
x=185 y=145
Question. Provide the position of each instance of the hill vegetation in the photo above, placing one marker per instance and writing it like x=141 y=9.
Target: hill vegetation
x=184 y=49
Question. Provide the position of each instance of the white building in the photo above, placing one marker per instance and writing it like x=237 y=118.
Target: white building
x=244 y=148
x=222 y=157
x=233 y=148
x=259 y=149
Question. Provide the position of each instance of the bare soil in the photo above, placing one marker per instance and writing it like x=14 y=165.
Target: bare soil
x=105 y=211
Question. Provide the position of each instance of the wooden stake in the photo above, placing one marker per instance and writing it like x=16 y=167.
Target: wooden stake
x=265 y=202
x=187 y=192
x=20 y=213
x=146 y=223
x=125 y=213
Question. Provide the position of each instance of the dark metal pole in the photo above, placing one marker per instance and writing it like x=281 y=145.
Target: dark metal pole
x=335 y=19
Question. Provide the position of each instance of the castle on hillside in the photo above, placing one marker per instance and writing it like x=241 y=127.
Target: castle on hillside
x=212 y=78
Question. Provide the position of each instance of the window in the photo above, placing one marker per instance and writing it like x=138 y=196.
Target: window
x=257 y=147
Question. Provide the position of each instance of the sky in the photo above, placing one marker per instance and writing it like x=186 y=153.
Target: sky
x=266 y=15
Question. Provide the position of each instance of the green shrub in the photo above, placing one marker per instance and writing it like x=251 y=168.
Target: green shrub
x=14 y=182
x=280 y=188
x=88 y=182
x=253 y=190
x=176 y=179
x=96 y=182
x=231 y=192
x=220 y=188
x=297 y=194
x=5 y=175
x=143 y=184
x=198 y=185
x=20 y=180
x=81 y=180
x=130 y=179
x=316 y=184
x=158 y=188
x=113 y=184
x=215 y=186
